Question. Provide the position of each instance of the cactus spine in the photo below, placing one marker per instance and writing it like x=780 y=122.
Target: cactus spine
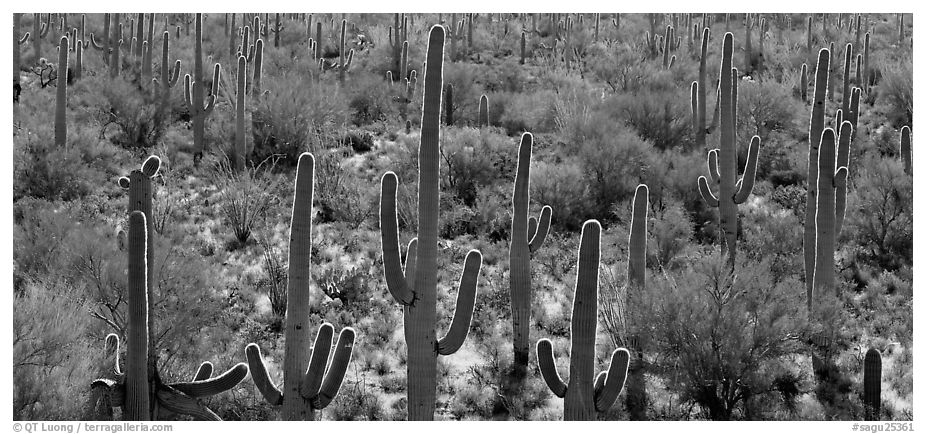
x=816 y=132
x=61 y=98
x=905 y=152
x=483 y=111
x=527 y=237
x=193 y=93
x=585 y=395
x=871 y=395
x=415 y=287
x=732 y=193
x=304 y=390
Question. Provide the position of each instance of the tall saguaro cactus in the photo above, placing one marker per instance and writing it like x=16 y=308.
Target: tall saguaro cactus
x=527 y=237
x=415 y=286
x=871 y=395
x=722 y=163
x=636 y=280
x=168 y=78
x=483 y=111
x=585 y=395
x=61 y=98
x=699 y=93
x=17 y=55
x=307 y=384
x=193 y=92
x=816 y=133
x=240 y=143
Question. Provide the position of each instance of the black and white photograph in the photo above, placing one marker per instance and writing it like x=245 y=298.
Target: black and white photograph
x=512 y=214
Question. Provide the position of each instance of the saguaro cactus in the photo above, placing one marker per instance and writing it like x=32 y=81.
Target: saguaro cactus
x=139 y=390
x=722 y=163
x=39 y=31
x=304 y=390
x=527 y=237
x=636 y=279
x=240 y=142
x=17 y=55
x=804 y=82
x=168 y=78
x=61 y=98
x=871 y=395
x=816 y=133
x=905 y=151
x=846 y=84
x=193 y=93
x=584 y=396
x=699 y=101
x=415 y=286
x=483 y=111
x=448 y=102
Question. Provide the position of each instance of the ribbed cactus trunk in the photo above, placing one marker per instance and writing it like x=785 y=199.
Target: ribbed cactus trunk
x=526 y=238
x=194 y=93
x=483 y=111
x=637 y=400
x=415 y=287
x=240 y=143
x=701 y=128
x=906 y=154
x=448 y=103
x=137 y=397
x=115 y=42
x=61 y=98
x=871 y=395
x=804 y=82
x=846 y=84
x=168 y=78
x=523 y=48
x=817 y=122
x=585 y=395
x=341 y=53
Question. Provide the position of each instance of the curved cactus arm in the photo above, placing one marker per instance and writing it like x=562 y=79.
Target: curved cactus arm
x=548 y=368
x=24 y=38
x=203 y=372
x=124 y=182
x=706 y=193
x=749 y=173
x=716 y=117
x=216 y=75
x=151 y=165
x=411 y=258
x=215 y=385
x=259 y=374
x=713 y=170
x=174 y=76
x=531 y=227
x=315 y=373
x=335 y=376
x=111 y=347
x=842 y=160
x=466 y=302
x=546 y=214
x=613 y=381
x=44 y=31
x=93 y=42
x=389 y=230
x=188 y=92
x=177 y=402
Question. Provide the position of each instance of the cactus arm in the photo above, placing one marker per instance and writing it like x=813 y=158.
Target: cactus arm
x=531 y=227
x=335 y=375
x=546 y=213
x=749 y=173
x=548 y=368
x=151 y=166
x=314 y=375
x=259 y=374
x=706 y=193
x=174 y=75
x=389 y=229
x=466 y=302
x=613 y=380
x=636 y=261
x=112 y=350
x=713 y=171
x=188 y=92
x=213 y=386
x=216 y=76
x=24 y=38
x=842 y=160
x=95 y=44
x=716 y=117
x=204 y=372
x=177 y=402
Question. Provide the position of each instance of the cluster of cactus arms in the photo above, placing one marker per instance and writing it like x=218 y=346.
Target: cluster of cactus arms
x=871 y=393
x=310 y=383
x=415 y=286
x=169 y=78
x=722 y=163
x=39 y=31
x=483 y=111
x=139 y=390
x=193 y=88
x=905 y=152
x=527 y=236
x=585 y=396
x=61 y=98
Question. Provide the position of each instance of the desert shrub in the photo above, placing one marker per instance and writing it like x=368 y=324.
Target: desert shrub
x=466 y=91
x=357 y=400
x=725 y=338
x=660 y=117
x=40 y=170
x=245 y=195
x=882 y=214
x=562 y=186
x=40 y=231
x=296 y=115
x=670 y=232
x=274 y=279
x=474 y=159
x=531 y=111
x=897 y=89
x=371 y=100
x=133 y=111
x=621 y=68
x=341 y=194
x=763 y=107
